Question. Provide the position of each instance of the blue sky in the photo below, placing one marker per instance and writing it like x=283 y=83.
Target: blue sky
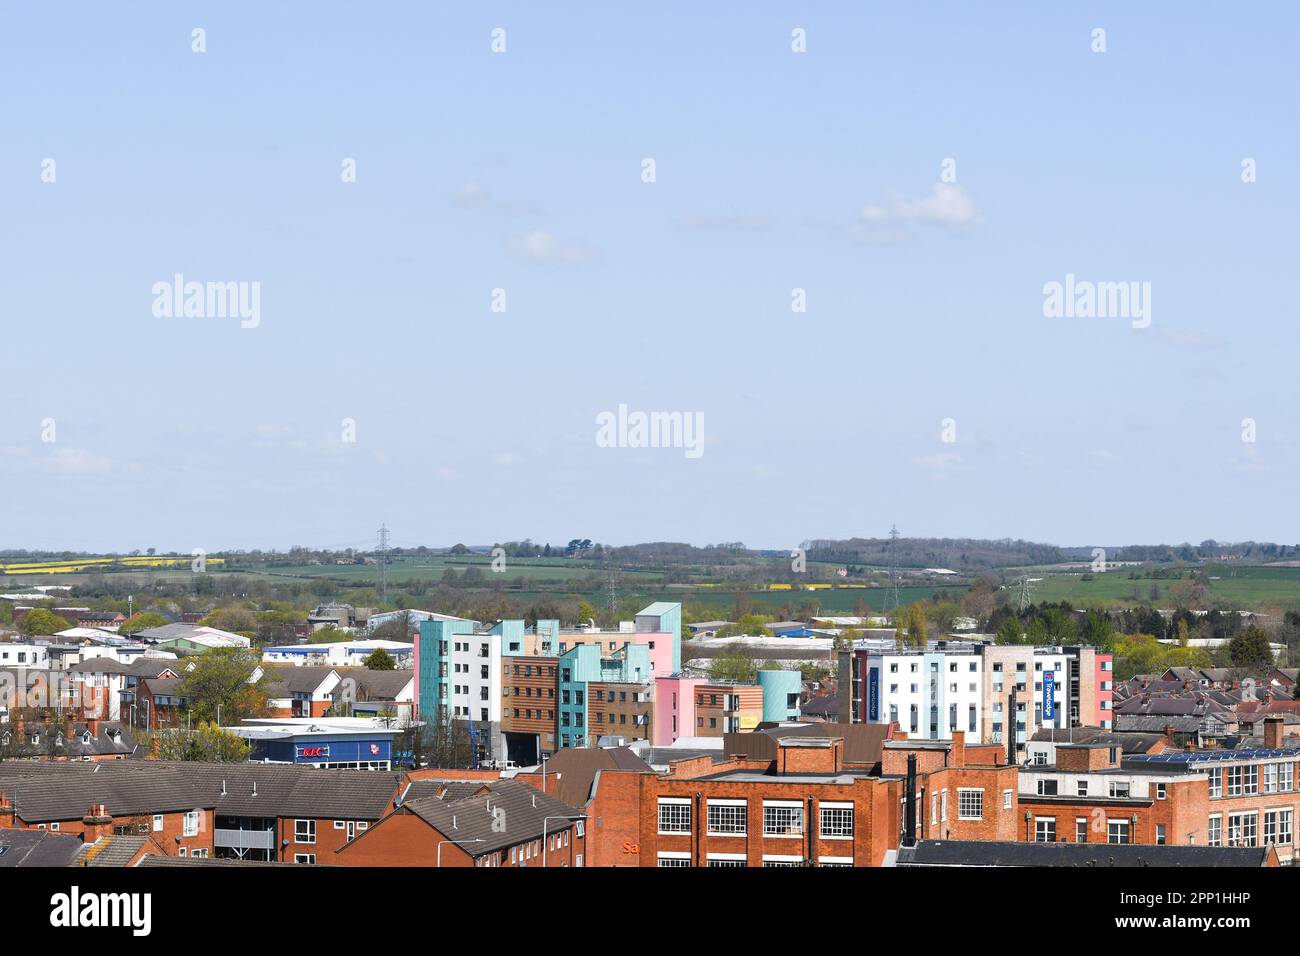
x=522 y=171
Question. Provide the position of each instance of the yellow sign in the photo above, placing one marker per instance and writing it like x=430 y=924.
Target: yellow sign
x=748 y=723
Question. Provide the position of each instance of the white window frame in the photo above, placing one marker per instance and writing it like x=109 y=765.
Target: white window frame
x=837 y=831
x=962 y=813
x=676 y=825
x=726 y=805
x=797 y=814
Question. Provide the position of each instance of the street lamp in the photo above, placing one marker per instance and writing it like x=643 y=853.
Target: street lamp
x=441 y=843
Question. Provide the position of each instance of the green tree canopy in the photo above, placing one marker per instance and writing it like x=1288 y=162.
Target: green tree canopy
x=380 y=660
x=220 y=678
x=1250 y=650
x=142 y=621
x=206 y=744
x=42 y=621
x=734 y=664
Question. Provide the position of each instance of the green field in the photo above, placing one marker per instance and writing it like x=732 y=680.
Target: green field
x=1230 y=586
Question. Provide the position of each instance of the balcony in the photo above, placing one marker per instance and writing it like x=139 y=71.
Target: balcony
x=244 y=839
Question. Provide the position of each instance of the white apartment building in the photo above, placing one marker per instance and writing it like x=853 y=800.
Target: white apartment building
x=958 y=685
x=928 y=693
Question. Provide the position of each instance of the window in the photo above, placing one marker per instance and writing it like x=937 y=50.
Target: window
x=1270 y=778
x=1119 y=788
x=157 y=822
x=1160 y=791
x=1241 y=828
x=674 y=816
x=1216 y=783
x=837 y=821
x=1160 y=834
x=782 y=819
x=339 y=825
x=1045 y=829
x=943 y=805
x=726 y=859
x=1215 y=831
x=191 y=824
x=727 y=818
x=1047 y=788
x=674 y=859
x=1119 y=831
x=1007 y=796
x=304 y=831
x=970 y=804
x=1243 y=781
x=1082 y=788
x=308 y=858
x=1277 y=827
x=1080 y=829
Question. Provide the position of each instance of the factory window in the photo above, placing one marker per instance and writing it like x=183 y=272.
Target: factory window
x=674 y=815
x=728 y=818
x=1277 y=827
x=1241 y=829
x=970 y=804
x=1216 y=781
x=782 y=819
x=674 y=859
x=837 y=821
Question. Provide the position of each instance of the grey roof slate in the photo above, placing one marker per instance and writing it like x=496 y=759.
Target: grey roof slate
x=36 y=848
x=475 y=818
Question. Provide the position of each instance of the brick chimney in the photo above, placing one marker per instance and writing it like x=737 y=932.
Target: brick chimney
x=957 y=753
x=98 y=823
x=1273 y=732
x=6 y=811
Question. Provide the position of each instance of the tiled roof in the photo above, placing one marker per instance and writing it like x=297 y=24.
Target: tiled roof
x=36 y=848
x=48 y=791
x=509 y=813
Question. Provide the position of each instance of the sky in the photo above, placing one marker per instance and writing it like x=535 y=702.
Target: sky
x=920 y=171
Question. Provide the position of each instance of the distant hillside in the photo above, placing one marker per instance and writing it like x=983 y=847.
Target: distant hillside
x=959 y=554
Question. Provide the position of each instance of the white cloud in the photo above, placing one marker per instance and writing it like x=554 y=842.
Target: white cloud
x=946 y=206
x=544 y=249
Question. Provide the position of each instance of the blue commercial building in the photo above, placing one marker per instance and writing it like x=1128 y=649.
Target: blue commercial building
x=781 y=695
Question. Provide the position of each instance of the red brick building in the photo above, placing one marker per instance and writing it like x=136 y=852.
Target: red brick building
x=499 y=823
